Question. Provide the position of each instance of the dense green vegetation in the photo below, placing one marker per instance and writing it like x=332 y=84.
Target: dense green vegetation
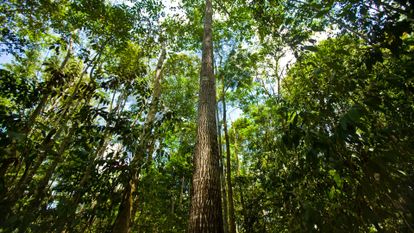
x=98 y=114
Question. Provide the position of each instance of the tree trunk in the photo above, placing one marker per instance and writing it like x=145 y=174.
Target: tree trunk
x=180 y=198
x=46 y=146
x=205 y=211
x=122 y=221
x=156 y=93
x=236 y=153
x=69 y=216
x=30 y=171
x=126 y=210
x=223 y=179
x=232 y=222
x=41 y=191
x=39 y=194
x=45 y=97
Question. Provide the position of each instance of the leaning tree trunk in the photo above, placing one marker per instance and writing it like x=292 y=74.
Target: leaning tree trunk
x=34 y=206
x=39 y=108
x=67 y=218
x=27 y=175
x=126 y=211
x=232 y=222
x=205 y=211
x=156 y=94
x=46 y=146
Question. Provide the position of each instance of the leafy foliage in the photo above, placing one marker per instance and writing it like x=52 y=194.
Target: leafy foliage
x=323 y=143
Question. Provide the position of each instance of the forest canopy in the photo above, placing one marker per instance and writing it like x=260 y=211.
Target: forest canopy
x=206 y=116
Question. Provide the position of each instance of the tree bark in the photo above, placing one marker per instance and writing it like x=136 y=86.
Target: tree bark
x=123 y=219
x=205 y=211
x=232 y=222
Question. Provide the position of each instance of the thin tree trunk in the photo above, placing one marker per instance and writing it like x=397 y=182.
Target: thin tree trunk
x=39 y=107
x=69 y=52
x=156 y=94
x=232 y=222
x=29 y=171
x=69 y=216
x=135 y=204
x=126 y=210
x=205 y=211
x=46 y=93
x=223 y=178
x=118 y=109
x=236 y=152
x=180 y=199
x=45 y=147
x=278 y=84
x=41 y=190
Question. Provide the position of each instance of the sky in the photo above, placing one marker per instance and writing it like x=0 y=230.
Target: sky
x=5 y=58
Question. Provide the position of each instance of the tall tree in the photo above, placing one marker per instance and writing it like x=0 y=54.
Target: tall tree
x=223 y=178
x=232 y=222
x=205 y=210
x=126 y=210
